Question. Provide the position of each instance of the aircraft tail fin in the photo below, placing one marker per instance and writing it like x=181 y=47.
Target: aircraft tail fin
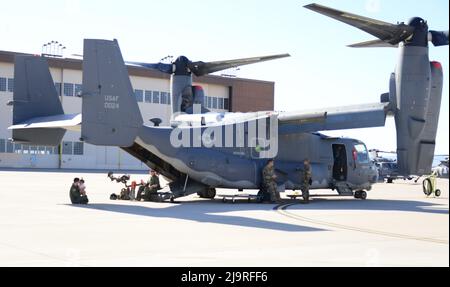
x=111 y=114
x=35 y=96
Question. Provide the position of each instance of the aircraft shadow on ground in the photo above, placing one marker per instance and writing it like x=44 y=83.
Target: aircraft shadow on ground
x=204 y=212
x=212 y=211
x=372 y=205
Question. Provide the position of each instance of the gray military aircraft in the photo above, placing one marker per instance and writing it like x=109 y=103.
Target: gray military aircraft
x=201 y=150
x=387 y=166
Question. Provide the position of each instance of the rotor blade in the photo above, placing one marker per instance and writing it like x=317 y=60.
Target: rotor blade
x=393 y=34
x=165 y=68
x=201 y=68
x=439 y=38
x=373 y=44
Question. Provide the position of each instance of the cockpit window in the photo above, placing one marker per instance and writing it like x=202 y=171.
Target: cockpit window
x=361 y=153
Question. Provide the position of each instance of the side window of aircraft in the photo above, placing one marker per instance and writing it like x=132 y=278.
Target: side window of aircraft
x=362 y=155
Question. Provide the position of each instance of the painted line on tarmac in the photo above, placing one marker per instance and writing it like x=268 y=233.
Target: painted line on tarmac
x=282 y=209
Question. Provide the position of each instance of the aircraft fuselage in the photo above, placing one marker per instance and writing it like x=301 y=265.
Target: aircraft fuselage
x=241 y=167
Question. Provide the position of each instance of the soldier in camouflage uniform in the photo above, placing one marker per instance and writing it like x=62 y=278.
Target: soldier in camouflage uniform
x=269 y=181
x=150 y=189
x=306 y=179
x=75 y=196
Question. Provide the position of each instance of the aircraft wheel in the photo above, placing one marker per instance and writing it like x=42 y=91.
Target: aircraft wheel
x=357 y=194
x=363 y=195
x=172 y=199
x=209 y=193
x=390 y=180
x=437 y=192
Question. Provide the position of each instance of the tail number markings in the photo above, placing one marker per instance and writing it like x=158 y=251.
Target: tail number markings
x=111 y=102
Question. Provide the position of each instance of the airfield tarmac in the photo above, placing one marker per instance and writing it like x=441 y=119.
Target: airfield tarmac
x=396 y=226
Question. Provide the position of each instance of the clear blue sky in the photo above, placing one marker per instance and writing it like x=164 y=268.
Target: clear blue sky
x=322 y=71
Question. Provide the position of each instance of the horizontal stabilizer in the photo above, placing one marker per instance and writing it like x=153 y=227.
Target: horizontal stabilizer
x=68 y=122
x=39 y=136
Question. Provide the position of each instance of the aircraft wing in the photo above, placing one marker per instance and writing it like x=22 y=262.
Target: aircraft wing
x=339 y=118
x=68 y=122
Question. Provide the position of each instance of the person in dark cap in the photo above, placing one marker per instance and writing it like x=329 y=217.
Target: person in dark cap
x=75 y=196
x=150 y=188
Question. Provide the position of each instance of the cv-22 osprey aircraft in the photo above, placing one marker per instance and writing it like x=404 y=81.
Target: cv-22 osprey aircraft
x=201 y=150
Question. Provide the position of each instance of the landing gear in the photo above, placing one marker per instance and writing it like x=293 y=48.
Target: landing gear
x=208 y=193
x=305 y=195
x=361 y=194
x=390 y=180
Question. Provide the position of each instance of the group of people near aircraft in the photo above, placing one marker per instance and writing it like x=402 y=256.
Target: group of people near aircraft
x=148 y=191
x=269 y=180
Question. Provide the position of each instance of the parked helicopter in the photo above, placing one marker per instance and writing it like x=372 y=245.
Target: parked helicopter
x=387 y=166
x=441 y=170
x=201 y=150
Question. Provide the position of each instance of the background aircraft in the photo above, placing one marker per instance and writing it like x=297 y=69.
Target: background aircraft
x=387 y=166
x=441 y=170
x=205 y=160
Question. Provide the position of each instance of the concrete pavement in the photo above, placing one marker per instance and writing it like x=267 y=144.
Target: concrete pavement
x=396 y=226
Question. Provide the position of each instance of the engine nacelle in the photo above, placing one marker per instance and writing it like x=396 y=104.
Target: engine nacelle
x=418 y=100
x=193 y=95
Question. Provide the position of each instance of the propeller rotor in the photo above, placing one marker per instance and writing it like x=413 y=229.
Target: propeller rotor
x=183 y=66
x=389 y=35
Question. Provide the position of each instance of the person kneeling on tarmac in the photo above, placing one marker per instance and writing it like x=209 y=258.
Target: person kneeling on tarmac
x=75 y=196
x=150 y=189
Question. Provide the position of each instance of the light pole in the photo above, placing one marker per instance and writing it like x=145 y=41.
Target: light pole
x=167 y=59
x=53 y=49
